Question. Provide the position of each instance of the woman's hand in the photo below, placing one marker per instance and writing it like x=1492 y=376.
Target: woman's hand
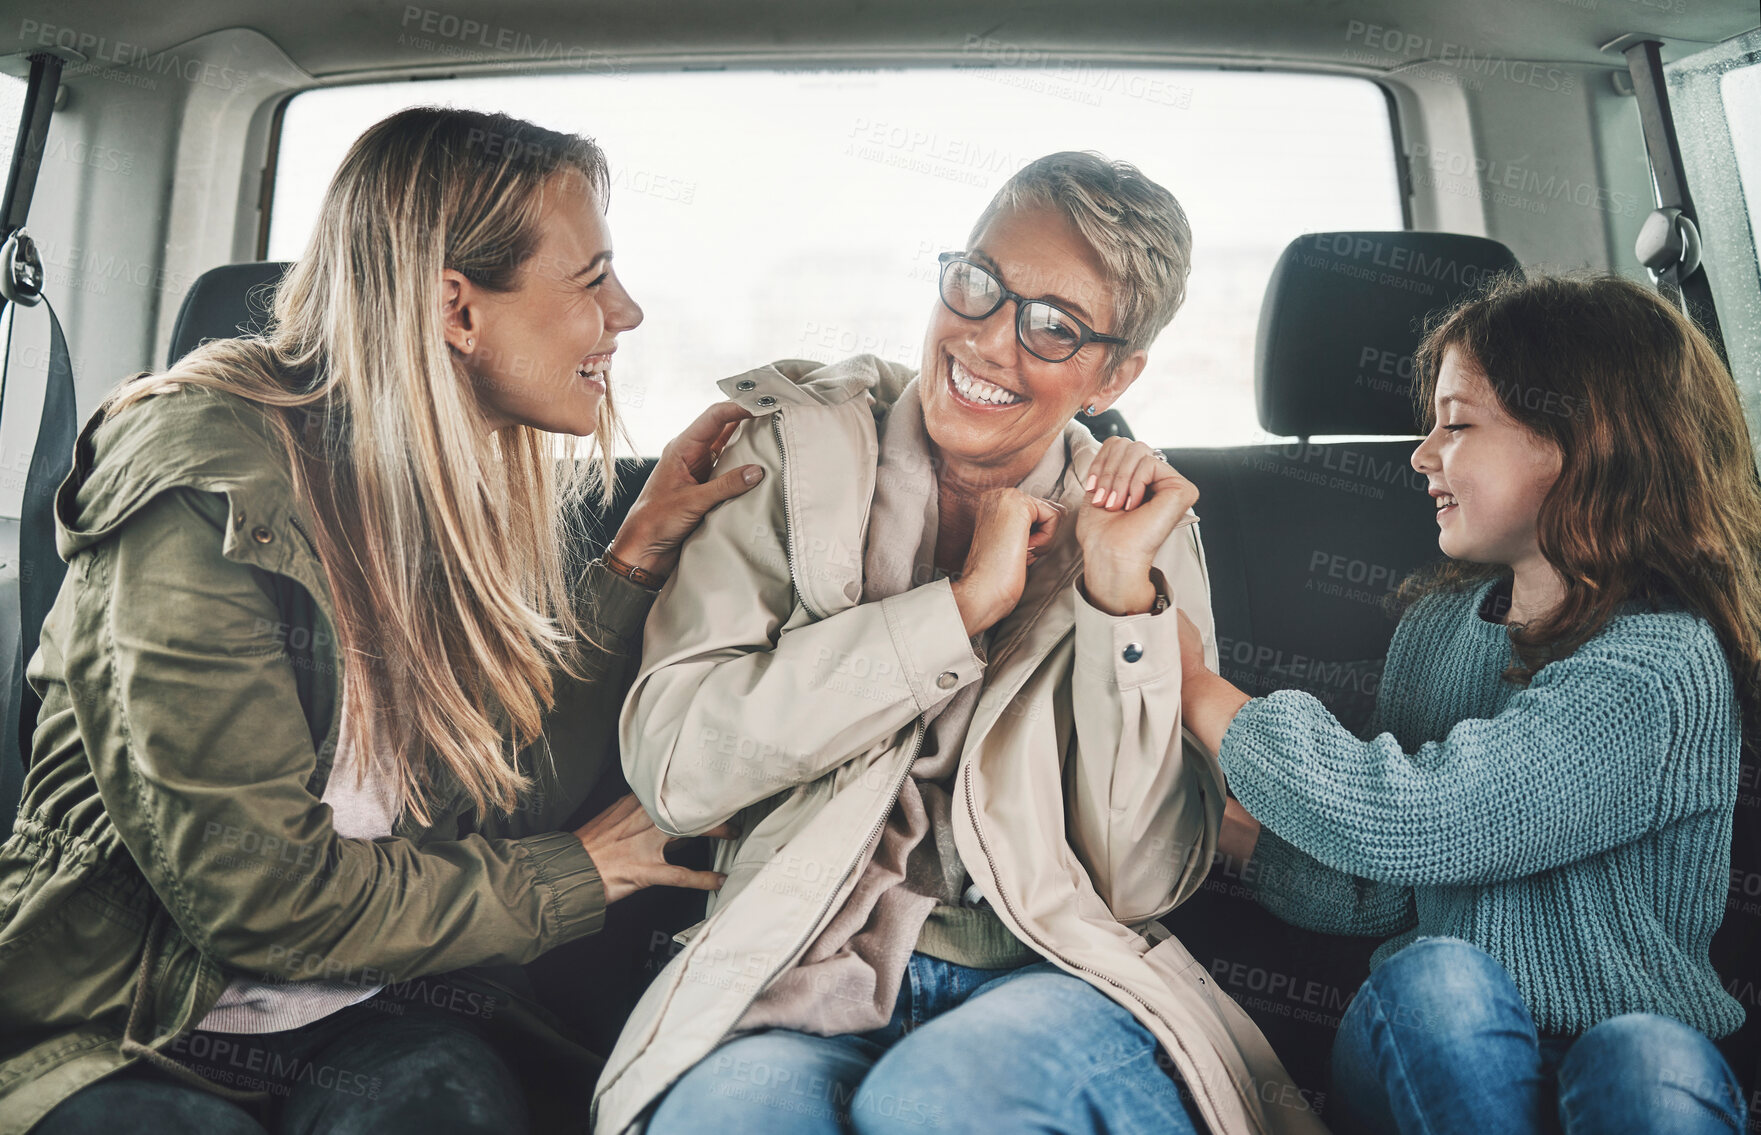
x=1010 y=530
x=1134 y=500
x=679 y=491
x=630 y=852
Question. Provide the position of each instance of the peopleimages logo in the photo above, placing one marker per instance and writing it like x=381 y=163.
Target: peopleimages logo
x=1398 y=258
x=443 y=33
x=1522 y=179
x=129 y=62
x=1459 y=57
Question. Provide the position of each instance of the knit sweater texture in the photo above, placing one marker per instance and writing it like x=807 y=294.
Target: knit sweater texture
x=1578 y=830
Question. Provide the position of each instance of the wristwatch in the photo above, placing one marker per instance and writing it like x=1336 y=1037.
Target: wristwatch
x=1160 y=583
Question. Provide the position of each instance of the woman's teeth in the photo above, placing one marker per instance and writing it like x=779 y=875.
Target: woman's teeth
x=1445 y=500
x=977 y=389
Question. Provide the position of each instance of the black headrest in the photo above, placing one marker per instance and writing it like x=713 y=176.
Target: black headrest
x=225 y=302
x=1343 y=315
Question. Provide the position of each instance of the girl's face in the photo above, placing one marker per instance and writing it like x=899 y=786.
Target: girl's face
x=1488 y=473
x=540 y=355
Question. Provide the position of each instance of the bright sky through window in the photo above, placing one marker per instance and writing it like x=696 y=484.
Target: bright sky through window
x=760 y=215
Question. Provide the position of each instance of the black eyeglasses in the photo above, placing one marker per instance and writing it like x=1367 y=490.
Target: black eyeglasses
x=972 y=291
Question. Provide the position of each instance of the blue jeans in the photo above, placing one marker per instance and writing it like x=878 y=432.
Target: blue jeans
x=1439 y=1041
x=1029 y=1049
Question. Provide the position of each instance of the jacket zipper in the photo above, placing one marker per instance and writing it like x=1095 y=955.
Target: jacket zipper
x=297 y=527
x=1041 y=943
x=776 y=428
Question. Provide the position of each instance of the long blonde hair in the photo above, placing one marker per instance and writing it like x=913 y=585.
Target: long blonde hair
x=443 y=545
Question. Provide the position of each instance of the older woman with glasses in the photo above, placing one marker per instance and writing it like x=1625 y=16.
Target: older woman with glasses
x=931 y=679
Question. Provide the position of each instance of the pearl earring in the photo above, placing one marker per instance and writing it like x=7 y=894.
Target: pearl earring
x=469 y=343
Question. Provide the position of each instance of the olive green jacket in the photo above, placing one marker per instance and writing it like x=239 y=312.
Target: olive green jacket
x=171 y=833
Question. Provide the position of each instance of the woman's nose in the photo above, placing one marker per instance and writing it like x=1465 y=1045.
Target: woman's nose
x=995 y=335
x=626 y=314
x=1424 y=458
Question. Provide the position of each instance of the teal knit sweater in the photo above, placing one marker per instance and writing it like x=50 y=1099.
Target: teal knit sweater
x=1577 y=830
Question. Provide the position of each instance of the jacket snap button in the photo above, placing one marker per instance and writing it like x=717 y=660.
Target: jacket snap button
x=1132 y=652
x=766 y=401
x=261 y=534
x=745 y=384
x=852 y=590
x=946 y=679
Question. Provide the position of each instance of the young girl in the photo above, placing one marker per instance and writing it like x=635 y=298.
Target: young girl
x=322 y=690
x=1542 y=814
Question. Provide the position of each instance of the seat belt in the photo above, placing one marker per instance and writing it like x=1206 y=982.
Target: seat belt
x=1668 y=243
x=40 y=566
x=40 y=569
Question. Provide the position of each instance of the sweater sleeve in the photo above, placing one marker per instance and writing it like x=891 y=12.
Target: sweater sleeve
x=1301 y=890
x=1570 y=768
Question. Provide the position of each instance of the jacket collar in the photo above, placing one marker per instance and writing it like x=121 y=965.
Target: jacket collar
x=198 y=438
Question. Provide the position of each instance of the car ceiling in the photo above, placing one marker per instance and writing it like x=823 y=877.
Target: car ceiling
x=425 y=36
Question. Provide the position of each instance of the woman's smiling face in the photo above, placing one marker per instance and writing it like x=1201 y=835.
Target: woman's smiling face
x=540 y=355
x=988 y=402
x=1487 y=472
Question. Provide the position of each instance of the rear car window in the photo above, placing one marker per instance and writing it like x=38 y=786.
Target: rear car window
x=760 y=215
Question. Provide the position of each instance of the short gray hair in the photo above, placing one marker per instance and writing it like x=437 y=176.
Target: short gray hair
x=1135 y=226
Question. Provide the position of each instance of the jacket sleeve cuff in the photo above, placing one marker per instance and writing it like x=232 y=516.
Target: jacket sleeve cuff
x=1127 y=651
x=931 y=641
x=568 y=880
x=614 y=608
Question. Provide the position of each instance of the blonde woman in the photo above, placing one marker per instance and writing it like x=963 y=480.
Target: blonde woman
x=323 y=687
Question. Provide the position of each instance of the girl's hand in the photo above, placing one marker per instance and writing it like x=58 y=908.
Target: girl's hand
x=1134 y=500
x=1192 y=647
x=630 y=852
x=1208 y=703
x=1240 y=834
x=1011 y=529
x=680 y=491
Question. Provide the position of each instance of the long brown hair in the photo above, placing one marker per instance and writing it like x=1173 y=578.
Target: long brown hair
x=1656 y=500
x=443 y=545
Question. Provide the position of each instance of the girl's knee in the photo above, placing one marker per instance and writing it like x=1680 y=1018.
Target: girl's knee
x=1648 y=1060
x=1441 y=960
x=1443 y=986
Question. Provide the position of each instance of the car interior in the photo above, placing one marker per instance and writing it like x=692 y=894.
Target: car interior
x=152 y=153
